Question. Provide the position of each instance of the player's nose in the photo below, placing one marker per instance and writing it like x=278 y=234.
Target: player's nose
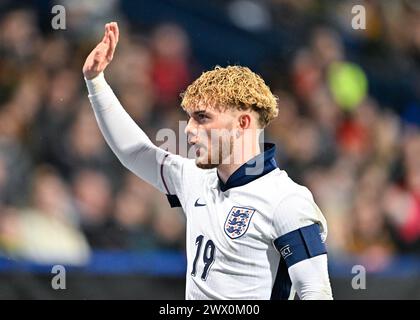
x=191 y=131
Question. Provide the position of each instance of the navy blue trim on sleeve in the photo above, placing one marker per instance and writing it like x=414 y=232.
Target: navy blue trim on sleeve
x=173 y=200
x=301 y=244
x=161 y=174
x=282 y=283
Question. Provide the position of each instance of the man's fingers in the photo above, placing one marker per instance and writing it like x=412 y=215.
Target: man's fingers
x=112 y=44
x=116 y=31
x=111 y=27
x=106 y=36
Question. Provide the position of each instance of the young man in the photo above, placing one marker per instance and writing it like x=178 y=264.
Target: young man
x=252 y=233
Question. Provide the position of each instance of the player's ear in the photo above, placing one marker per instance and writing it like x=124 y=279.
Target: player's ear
x=244 y=121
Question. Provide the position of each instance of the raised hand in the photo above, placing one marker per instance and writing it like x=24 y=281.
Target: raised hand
x=102 y=55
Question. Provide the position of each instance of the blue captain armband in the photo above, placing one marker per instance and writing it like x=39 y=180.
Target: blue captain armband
x=301 y=244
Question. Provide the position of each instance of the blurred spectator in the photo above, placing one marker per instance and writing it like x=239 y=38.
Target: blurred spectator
x=15 y=169
x=169 y=226
x=133 y=216
x=47 y=231
x=93 y=195
x=402 y=201
x=84 y=146
x=171 y=72
x=19 y=36
x=369 y=235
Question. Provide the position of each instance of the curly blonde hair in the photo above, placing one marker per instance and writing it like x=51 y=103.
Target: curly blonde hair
x=232 y=87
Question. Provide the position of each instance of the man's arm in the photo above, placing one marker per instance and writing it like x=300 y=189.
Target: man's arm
x=130 y=144
x=310 y=278
x=300 y=230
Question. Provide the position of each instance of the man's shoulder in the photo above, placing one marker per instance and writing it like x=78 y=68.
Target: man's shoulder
x=294 y=206
x=279 y=182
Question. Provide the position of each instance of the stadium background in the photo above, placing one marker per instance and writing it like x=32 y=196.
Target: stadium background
x=348 y=128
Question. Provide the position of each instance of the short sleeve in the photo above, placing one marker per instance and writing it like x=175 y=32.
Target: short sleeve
x=295 y=211
x=300 y=229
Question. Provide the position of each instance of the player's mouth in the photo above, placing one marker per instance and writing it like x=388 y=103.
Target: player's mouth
x=199 y=150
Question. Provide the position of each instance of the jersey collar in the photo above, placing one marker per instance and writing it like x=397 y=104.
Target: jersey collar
x=250 y=170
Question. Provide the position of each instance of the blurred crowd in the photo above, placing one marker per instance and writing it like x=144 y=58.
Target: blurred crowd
x=63 y=193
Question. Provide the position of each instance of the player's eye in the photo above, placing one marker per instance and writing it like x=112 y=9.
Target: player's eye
x=201 y=117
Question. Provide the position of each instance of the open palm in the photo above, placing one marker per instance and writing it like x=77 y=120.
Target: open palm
x=103 y=53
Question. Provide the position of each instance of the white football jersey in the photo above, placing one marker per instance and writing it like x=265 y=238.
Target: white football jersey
x=231 y=228
x=242 y=236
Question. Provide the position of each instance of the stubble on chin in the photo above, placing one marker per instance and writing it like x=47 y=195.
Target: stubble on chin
x=205 y=165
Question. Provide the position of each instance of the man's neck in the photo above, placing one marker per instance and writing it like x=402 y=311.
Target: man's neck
x=226 y=170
